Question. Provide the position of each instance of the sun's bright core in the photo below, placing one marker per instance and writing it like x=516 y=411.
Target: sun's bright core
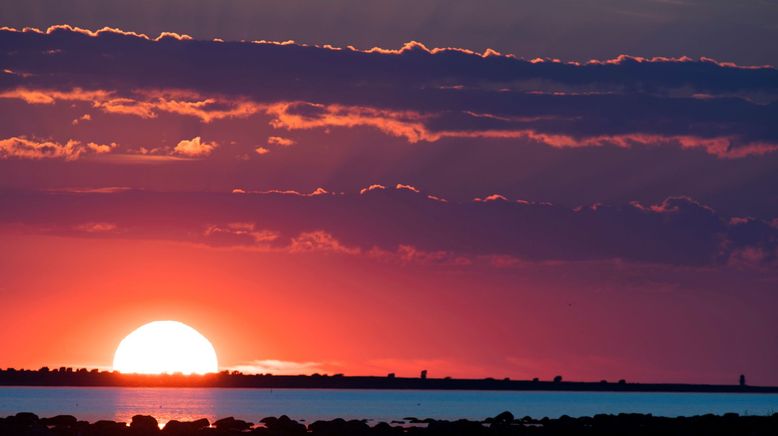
x=165 y=347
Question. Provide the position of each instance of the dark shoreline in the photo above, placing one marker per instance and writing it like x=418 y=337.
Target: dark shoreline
x=504 y=424
x=84 y=378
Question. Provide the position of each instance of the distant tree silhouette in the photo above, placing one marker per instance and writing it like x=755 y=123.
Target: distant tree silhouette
x=94 y=377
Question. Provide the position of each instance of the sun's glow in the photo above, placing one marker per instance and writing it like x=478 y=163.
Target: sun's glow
x=165 y=347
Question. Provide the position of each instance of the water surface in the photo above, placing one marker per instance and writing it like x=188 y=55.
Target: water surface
x=378 y=405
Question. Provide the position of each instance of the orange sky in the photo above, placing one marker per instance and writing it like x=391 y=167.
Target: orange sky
x=74 y=300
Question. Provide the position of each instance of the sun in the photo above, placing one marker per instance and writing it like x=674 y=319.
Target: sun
x=165 y=347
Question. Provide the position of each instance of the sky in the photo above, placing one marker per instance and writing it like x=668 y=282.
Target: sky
x=478 y=189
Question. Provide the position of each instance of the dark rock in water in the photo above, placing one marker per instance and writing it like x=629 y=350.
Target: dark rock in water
x=384 y=429
x=22 y=423
x=501 y=420
x=61 y=421
x=26 y=417
x=144 y=424
x=339 y=427
x=230 y=423
x=503 y=424
x=107 y=428
x=459 y=427
x=283 y=426
x=184 y=428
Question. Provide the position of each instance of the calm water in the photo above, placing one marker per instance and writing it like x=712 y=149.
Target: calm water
x=311 y=404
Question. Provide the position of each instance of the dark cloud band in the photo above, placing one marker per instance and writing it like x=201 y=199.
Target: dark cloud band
x=725 y=109
x=677 y=231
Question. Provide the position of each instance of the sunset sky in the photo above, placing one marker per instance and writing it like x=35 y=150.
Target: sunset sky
x=477 y=188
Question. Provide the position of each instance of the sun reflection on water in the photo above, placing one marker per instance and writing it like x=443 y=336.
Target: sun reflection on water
x=166 y=404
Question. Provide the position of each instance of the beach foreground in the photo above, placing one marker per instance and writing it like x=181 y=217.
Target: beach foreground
x=503 y=424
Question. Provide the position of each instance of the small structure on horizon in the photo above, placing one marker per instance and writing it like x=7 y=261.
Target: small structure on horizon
x=423 y=374
x=742 y=380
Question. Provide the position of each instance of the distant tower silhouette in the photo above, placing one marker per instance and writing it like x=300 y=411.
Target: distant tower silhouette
x=742 y=380
x=423 y=374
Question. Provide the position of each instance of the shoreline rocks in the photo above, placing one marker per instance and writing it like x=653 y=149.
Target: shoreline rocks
x=503 y=424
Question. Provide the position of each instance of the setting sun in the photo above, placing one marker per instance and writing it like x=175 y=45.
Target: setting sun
x=165 y=347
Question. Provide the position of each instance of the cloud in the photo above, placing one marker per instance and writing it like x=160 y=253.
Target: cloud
x=262 y=150
x=81 y=119
x=26 y=148
x=232 y=234
x=96 y=227
x=372 y=188
x=145 y=104
x=416 y=93
x=319 y=241
x=194 y=147
x=282 y=367
x=407 y=227
x=408 y=254
x=411 y=188
x=280 y=140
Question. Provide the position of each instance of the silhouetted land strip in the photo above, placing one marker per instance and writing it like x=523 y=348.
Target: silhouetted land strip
x=83 y=377
x=504 y=424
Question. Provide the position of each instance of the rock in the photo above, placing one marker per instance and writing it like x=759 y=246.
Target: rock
x=283 y=425
x=185 y=428
x=25 y=418
x=106 y=427
x=144 y=424
x=503 y=418
x=230 y=423
x=63 y=421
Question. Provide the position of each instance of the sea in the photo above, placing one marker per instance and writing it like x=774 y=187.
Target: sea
x=307 y=405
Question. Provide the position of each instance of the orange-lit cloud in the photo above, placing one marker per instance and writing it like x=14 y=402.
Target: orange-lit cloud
x=408 y=125
x=97 y=33
x=81 y=119
x=240 y=234
x=195 y=147
x=412 y=126
x=280 y=140
x=143 y=104
x=429 y=94
x=372 y=188
x=319 y=241
x=50 y=96
x=25 y=148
